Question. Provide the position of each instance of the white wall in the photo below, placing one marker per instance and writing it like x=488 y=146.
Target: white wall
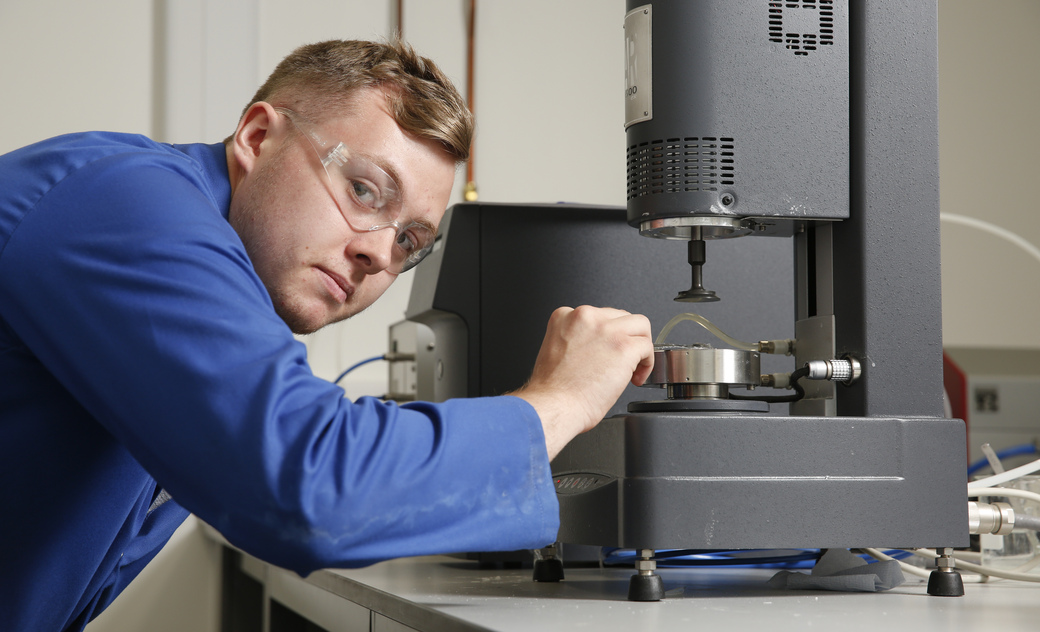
x=549 y=79
x=989 y=133
x=69 y=66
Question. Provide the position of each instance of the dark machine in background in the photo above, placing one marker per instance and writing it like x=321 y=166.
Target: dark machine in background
x=482 y=299
x=814 y=122
x=480 y=302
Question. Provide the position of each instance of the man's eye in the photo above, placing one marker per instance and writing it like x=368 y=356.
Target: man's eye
x=407 y=242
x=365 y=194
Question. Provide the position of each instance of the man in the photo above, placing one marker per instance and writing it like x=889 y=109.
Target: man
x=147 y=369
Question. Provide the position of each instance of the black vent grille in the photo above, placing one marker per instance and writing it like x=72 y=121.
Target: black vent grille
x=680 y=165
x=802 y=43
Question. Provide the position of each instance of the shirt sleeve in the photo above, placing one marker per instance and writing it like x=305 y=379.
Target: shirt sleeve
x=132 y=289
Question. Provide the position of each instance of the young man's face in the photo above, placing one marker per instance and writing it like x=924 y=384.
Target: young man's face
x=316 y=267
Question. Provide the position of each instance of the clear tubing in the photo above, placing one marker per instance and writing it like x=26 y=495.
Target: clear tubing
x=707 y=324
x=1004 y=477
x=992 y=459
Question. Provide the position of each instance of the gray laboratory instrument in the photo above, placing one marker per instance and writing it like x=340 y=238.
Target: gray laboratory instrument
x=783 y=159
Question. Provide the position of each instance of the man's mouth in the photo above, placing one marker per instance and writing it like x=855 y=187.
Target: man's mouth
x=337 y=286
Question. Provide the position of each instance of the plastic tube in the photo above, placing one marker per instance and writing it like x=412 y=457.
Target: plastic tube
x=707 y=324
x=906 y=568
x=993 y=229
x=975 y=568
x=1009 y=492
x=1019 y=450
x=1010 y=475
x=985 y=570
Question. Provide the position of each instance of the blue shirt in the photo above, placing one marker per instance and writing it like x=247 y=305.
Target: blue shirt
x=140 y=352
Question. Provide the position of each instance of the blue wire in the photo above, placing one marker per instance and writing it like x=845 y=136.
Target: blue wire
x=363 y=362
x=800 y=558
x=1018 y=450
x=804 y=558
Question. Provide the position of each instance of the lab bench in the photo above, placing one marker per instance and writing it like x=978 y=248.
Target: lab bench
x=448 y=594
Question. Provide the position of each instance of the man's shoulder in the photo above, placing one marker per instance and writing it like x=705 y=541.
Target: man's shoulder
x=51 y=161
x=106 y=171
x=72 y=151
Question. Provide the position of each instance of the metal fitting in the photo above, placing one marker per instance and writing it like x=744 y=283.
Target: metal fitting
x=776 y=380
x=785 y=347
x=646 y=565
x=845 y=370
x=945 y=562
x=990 y=518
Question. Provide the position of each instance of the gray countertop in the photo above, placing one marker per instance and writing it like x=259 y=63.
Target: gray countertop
x=445 y=593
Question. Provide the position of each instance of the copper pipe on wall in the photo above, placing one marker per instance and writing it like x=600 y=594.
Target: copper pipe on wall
x=470 y=193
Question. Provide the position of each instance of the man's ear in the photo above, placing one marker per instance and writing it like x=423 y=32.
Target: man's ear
x=254 y=134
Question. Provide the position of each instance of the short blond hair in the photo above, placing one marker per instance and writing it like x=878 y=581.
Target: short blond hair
x=321 y=80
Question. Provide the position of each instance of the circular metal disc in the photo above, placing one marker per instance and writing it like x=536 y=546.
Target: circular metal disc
x=702 y=364
x=699 y=405
x=711 y=227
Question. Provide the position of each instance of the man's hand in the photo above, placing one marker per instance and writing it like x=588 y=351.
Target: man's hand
x=587 y=358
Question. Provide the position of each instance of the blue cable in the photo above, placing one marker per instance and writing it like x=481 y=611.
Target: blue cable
x=794 y=558
x=1018 y=450
x=785 y=558
x=363 y=362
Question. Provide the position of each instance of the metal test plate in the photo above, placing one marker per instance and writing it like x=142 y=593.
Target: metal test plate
x=702 y=364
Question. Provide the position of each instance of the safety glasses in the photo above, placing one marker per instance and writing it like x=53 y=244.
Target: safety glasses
x=367 y=196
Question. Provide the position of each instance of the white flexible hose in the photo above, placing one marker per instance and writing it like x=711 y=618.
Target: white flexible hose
x=975 y=568
x=1003 y=477
x=993 y=229
x=1004 y=491
x=707 y=324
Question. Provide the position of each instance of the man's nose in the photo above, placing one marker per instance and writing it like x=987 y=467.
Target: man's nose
x=374 y=248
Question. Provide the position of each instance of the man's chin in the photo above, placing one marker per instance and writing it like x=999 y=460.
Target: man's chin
x=302 y=325
x=306 y=316
x=304 y=331
x=304 y=321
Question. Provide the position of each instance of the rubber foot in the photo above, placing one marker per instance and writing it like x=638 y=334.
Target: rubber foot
x=645 y=588
x=945 y=584
x=548 y=570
